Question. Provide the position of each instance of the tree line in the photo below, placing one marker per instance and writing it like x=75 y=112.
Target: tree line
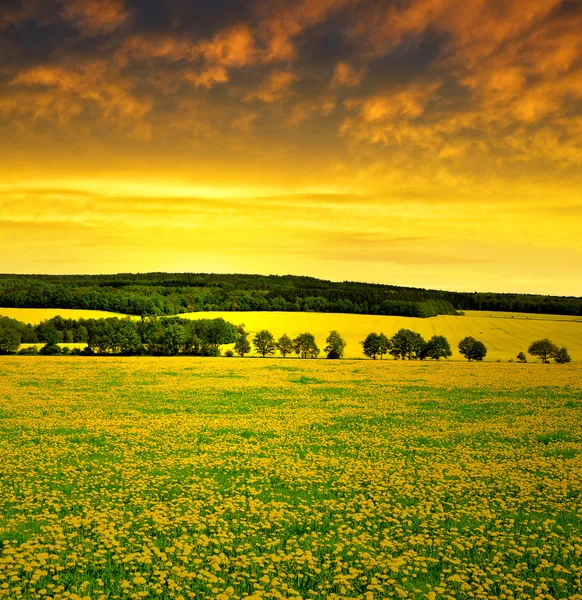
x=171 y=294
x=164 y=336
x=170 y=336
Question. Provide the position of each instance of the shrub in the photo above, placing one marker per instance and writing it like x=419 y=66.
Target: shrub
x=31 y=351
x=562 y=357
x=50 y=350
x=229 y=353
x=521 y=357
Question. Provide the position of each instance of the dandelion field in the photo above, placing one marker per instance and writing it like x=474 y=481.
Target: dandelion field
x=223 y=478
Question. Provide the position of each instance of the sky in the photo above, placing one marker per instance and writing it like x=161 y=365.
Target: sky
x=429 y=143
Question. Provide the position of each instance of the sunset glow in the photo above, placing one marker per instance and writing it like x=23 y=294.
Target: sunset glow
x=430 y=143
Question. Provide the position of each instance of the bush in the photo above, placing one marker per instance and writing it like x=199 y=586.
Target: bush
x=65 y=351
x=521 y=357
x=76 y=352
x=50 y=350
x=87 y=351
x=229 y=353
x=562 y=357
x=31 y=351
x=210 y=351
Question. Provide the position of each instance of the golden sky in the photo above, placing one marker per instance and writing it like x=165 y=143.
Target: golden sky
x=432 y=143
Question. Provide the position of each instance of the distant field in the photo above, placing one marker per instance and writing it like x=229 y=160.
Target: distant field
x=248 y=479
x=504 y=334
x=35 y=315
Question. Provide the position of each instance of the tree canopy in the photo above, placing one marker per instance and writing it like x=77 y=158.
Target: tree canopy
x=264 y=343
x=305 y=346
x=284 y=345
x=544 y=349
x=335 y=345
x=472 y=349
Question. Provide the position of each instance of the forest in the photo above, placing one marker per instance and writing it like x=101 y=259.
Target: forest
x=171 y=294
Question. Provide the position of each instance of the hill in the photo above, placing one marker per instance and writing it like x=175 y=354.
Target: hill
x=177 y=293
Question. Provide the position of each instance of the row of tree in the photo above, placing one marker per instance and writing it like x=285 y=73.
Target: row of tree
x=304 y=345
x=164 y=336
x=406 y=344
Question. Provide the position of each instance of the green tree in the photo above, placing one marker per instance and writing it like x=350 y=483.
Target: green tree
x=384 y=345
x=48 y=333
x=335 y=345
x=521 y=357
x=242 y=345
x=174 y=336
x=305 y=346
x=10 y=337
x=407 y=344
x=544 y=349
x=562 y=357
x=285 y=345
x=264 y=343
x=472 y=349
x=437 y=347
x=371 y=345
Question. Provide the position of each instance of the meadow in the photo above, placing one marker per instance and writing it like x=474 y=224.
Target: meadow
x=222 y=478
x=504 y=334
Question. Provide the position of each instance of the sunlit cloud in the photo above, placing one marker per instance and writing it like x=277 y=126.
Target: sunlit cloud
x=313 y=126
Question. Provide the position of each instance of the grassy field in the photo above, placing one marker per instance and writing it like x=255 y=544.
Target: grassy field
x=504 y=334
x=222 y=478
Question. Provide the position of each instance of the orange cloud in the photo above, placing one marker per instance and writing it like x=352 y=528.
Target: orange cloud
x=282 y=21
x=277 y=85
x=95 y=16
x=346 y=76
x=209 y=78
x=66 y=91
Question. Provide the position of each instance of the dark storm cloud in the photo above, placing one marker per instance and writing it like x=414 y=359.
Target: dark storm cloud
x=437 y=76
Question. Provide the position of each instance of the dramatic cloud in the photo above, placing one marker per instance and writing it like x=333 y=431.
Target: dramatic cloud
x=95 y=16
x=390 y=103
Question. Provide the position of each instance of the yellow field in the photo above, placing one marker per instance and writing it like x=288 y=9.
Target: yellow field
x=187 y=478
x=35 y=315
x=504 y=334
